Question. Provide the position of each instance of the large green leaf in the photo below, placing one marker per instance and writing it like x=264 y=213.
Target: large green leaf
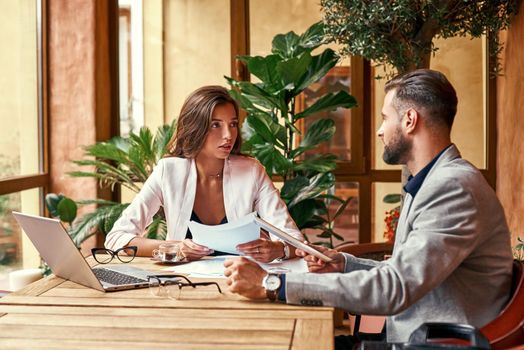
x=321 y=163
x=319 y=67
x=292 y=69
x=259 y=125
x=319 y=131
x=313 y=37
x=264 y=126
x=292 y=187
x=392 y=198
x=244 y=102
x=272 y=159
x=285 y=45
x=258 y=96
x=329 y=102
x=265 y=68
x=66 y=209
x=51 y=202
x=303 y=212
x=317 y=184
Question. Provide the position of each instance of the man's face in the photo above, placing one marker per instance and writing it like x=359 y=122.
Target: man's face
x=396 y=147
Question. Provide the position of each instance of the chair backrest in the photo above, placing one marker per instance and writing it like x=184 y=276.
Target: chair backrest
x=507 y=330
x=374 y=251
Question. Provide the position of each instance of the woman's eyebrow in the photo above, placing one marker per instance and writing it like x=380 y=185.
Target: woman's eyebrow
x=221 y=120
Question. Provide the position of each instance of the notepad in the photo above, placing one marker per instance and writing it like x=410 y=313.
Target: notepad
x=226 y=237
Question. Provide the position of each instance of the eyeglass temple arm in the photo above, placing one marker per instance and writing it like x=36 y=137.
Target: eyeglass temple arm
x=171 y=276
x=207 y=284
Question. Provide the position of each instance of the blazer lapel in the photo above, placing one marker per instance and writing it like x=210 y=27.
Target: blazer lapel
x=228 y=192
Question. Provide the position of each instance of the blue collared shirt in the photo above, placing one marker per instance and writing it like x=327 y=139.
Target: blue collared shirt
x=415 y=182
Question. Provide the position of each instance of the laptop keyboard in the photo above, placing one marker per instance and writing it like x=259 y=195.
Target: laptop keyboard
x=116 y=278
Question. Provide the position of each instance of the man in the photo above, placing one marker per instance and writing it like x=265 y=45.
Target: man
x=452 y=258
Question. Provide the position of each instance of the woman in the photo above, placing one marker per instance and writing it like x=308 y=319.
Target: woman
x=204 y=178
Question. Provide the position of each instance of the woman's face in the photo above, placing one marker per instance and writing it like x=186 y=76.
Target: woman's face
x=222 y=133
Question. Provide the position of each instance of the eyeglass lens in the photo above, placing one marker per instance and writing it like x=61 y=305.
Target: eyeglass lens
x=170 y=288
x=125 y=254
x=105 y=256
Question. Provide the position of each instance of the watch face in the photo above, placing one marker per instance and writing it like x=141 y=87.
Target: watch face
x=272 y=282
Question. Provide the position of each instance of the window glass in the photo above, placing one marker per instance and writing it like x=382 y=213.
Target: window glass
x=16 y=251
x=19 y=135
x=130 y=66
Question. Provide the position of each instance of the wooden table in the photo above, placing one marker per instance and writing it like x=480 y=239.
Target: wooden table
x=57 y=314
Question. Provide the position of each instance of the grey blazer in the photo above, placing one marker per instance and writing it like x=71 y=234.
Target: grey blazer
x=451 y=261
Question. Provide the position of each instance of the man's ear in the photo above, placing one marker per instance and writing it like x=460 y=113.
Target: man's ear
x=411 y=120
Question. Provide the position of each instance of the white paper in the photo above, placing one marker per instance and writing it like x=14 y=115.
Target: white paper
x=213 y=267
x=226 y=237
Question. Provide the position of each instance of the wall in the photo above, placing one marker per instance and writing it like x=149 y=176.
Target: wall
x=79 y=90
x=510 y=127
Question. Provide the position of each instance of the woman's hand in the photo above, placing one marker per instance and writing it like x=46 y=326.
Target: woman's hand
x=192 y=251
x=314 y=264
x=263 y=249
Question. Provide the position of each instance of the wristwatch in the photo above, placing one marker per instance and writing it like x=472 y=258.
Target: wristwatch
x=286 y=252
x=272 y=285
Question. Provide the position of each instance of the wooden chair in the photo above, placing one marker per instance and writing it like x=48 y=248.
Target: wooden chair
x=507 y=330
x=373 y=251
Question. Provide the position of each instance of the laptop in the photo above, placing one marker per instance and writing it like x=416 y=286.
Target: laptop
x=65 y=260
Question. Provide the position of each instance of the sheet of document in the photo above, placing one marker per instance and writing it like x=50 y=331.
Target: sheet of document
x=213 y=267
x=226 y=237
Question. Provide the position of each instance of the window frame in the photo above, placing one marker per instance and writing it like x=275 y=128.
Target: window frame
x=14 y=184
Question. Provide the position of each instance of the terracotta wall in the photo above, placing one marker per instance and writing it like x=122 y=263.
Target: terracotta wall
x=79 y=89
x=71 y=91
x=510 y=127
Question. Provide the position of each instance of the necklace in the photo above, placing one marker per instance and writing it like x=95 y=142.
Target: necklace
x=216 y=176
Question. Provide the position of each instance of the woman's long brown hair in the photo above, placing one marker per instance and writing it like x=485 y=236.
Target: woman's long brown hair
x=195 y=119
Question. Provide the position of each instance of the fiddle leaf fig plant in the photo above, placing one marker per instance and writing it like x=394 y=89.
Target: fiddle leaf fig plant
x=124 y=161
x=271 y=130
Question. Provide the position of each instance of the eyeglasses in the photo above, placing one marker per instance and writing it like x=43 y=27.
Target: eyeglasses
x=171 y=285
x=105 y=256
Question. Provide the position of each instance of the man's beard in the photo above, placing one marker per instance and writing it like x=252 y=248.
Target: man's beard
x=398 y=150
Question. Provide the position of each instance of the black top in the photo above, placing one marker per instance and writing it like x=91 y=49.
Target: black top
x=194 y=217
x=415 y=182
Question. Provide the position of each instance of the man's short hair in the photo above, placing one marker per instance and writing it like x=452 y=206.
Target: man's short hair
x=427 y=89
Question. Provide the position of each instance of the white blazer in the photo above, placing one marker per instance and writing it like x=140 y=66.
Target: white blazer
x=172 y=185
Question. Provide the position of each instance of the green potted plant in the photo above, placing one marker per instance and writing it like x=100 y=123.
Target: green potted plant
x=270 y=130
x=401 y=33
x=123 y=161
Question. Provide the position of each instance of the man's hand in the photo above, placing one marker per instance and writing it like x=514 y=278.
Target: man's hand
x=314 y=264
x=245 y=277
